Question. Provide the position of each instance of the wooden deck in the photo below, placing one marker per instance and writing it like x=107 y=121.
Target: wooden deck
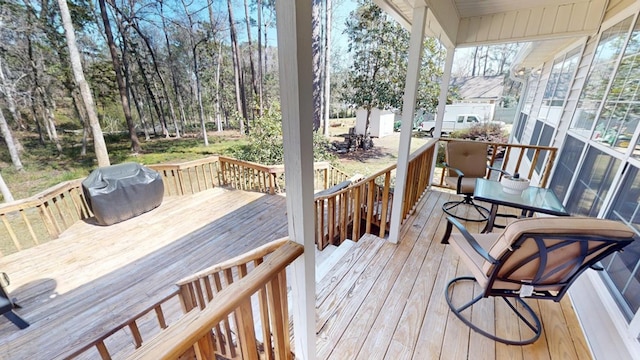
x=380 y=301
x=386 y=301
x=93 y=278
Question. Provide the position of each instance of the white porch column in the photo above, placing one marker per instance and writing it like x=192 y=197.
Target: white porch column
x=296 y=94
x=408 y=109
x=442 y=101
x=444 y=90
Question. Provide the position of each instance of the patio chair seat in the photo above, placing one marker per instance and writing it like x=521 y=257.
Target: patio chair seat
x=533 y=258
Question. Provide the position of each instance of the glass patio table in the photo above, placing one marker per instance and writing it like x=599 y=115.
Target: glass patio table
x=532 y=200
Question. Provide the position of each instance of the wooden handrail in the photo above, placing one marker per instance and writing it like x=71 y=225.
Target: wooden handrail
x=247 y=257
x=195 y=327
x=369 y=201
x=507 y=162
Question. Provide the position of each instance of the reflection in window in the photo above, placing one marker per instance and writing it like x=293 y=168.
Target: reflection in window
x=520 y=126
x=601 y=71
x=567 y=165
x=620 y=115
x=593 y=183
x=545 y=140
x=560 y=78
x=534 y=138
x=623 y=269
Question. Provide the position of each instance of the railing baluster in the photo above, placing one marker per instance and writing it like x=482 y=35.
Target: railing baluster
x=135 y=332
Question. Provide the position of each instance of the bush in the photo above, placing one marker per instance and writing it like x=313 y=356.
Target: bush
x=482 y=132
x=265 y=142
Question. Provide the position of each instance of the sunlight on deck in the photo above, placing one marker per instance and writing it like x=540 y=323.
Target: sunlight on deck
x=386 y=301
x=93 y=277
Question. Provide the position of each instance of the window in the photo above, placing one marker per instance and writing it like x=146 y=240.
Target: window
x=567 y=165
x=597 y=81
x=623 y=269
x=545 y=140
x=593 y=183
x=520 y=126
x=621 y=112
x=460 y=119
x=534 y=138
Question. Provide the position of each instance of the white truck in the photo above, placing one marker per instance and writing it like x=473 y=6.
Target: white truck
x=459 y=122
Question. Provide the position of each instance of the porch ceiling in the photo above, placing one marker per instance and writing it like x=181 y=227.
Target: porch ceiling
x=460 y=23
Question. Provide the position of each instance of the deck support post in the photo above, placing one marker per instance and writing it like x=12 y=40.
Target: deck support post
x=293 y=20
x=416 y=43
x=442 y=102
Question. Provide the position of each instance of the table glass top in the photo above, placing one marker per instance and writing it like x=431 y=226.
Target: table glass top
x=532 y=198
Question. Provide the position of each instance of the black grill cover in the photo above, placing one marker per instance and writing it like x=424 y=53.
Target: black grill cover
x=120 y=192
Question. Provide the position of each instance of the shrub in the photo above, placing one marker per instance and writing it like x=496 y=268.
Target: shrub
x=483 y=132
x=265 y=142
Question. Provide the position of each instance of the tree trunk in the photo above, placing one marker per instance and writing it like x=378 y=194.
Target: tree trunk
x=237 y=69
x=8 y=90
x=260 y=73
x=254 y=81
x=154 y=102
x=34 y=113
x=327 y=67
x=8 y=139
x=199 y=94
x=4 y=189
x=174 y=77
x=217 y=83
x=98 y=140
x=316 y=45
x=165 y=92
x=122 y=90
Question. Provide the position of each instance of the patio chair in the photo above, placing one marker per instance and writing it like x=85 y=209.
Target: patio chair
x=465 y=161
x=7 y=306
x=536 y=258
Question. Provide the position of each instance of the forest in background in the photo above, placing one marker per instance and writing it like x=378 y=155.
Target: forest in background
x=183 y=69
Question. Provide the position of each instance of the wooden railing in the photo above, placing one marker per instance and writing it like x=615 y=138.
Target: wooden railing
x=510 y=158
x=42 y=217
x=225 y=322
x=244 y=175
x=189 y=177
x=143 y=325
x=365 y=207
x=233 y=335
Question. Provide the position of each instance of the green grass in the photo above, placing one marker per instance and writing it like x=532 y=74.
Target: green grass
x=45 y=168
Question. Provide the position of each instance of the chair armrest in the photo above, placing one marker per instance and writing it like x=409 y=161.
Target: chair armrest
x=498 y=170
x=467 y=236
x=459 y=173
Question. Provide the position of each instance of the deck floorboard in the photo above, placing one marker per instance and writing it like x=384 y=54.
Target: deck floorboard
x=380 y=301
x=94 y=277
x=403 y=313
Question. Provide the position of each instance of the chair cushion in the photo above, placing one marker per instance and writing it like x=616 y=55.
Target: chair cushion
x=470 y=157
x=470 y=257
x=551 y=226
x=467 y=185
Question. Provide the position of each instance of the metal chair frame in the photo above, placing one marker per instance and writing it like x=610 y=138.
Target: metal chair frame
x=555 y=290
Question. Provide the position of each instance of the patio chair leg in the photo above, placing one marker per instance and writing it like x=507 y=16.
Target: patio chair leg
x=533 y=323
x=17 y=320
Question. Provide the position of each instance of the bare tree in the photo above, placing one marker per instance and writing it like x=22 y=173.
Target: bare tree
x=260 y=72
x=98 y=140
x=122 y=90
x=8 y=139
x=327 y=66
x=4 y=189
x=316 y=45
x=237 y=69
x=254 y=81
